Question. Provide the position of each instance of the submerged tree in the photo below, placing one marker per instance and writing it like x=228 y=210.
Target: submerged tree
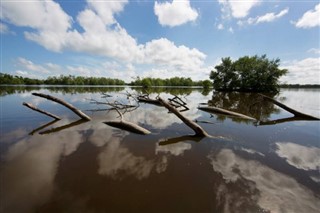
x=256 y=73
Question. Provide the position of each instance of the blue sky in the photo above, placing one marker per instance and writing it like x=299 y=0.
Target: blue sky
x=126 y=39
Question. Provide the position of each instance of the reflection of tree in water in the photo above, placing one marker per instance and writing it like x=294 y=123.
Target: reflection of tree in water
x=169 y=90
x=7 y=90
x=251 y=104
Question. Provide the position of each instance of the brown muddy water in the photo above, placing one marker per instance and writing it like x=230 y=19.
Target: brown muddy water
x=91 y=167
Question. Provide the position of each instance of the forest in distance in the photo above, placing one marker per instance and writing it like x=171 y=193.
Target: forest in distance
x=7 y=79
x=80 y=80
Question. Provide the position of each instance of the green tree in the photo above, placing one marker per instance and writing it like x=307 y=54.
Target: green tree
x=256 y=73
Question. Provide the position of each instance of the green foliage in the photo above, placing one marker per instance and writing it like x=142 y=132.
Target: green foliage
x=175 y=81
x=247 y=74
x=60 y=80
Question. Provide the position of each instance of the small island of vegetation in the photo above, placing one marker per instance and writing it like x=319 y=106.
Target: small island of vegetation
x=254 y=74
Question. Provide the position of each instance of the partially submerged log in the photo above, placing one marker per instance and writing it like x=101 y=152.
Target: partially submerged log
x=128 y=126
x=199 y=132
x=211 y=109
x=68 y=105
x=295 y=112
x=30 y=106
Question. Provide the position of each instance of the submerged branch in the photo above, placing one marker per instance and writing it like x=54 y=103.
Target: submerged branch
x=59 y=101
x=57 y=129
x=42 y=127
x=41 y=111
x=225 y=112
x=128 y=126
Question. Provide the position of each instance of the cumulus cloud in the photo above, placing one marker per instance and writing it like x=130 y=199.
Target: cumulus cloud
x=310 y=19
x=237 y=8
x=175 y=13
x=305 y=71
x=101 y=35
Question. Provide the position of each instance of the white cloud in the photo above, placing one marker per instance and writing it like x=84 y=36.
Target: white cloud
x=102 y=35
x=310 y=19
x=220 y=26
x=30 y=66
x=107 y=9
x=269 y=17
x=306 y=71
x=314 y=50
x=237 y=8
x=4 y=29
x=301 y=157
x=50 y=21
x=175 y=13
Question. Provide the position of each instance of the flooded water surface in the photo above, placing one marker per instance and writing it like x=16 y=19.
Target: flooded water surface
x=269 y=165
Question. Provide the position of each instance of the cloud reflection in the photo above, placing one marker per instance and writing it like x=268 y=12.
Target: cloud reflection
x=301 y=157
x=30 y=168
x=276 y=191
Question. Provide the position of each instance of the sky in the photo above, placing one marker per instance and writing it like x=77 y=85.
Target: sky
x=126 y=39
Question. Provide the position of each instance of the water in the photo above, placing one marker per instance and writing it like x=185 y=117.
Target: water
x=91 y=167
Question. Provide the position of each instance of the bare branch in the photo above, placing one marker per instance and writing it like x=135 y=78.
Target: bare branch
x=41 y=111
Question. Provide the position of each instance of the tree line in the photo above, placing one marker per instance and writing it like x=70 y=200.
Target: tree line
x=59 y=80
x=80 y=80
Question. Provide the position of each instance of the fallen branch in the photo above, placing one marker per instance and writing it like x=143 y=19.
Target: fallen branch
x=195 y=127
x=295 y=112
x=41 y=111
x=225 y=112
x=71 y=107
x=128 y=126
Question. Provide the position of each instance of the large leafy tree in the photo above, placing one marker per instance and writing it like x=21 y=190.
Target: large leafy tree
x=256 y=73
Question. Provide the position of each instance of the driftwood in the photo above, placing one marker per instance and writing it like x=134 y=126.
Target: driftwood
x=180 y=139
x=71 y=107
x=225 y=112
x=41 y=111
x=128 y=126
x=195 y=127
x=295 y=112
